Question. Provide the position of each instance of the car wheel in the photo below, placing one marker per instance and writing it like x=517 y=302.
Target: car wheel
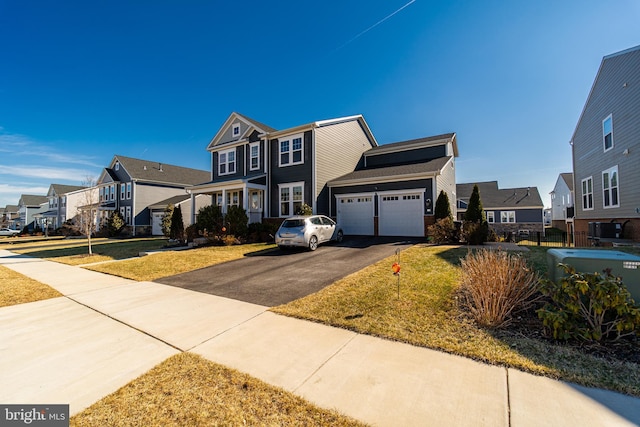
x=313 y=243
x=339 y=236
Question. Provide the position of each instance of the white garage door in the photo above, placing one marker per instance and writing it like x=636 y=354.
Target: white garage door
x=401 y=215
x=355 y=215
x=156 y=223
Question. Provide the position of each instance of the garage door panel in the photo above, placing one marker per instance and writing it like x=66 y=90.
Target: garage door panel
x=355 y=215
x=401 y=215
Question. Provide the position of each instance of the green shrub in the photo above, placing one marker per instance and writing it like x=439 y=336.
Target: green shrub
x=261 y=232
x=176 y=231
x=304 y=209
x=236 y=221
x=210 y=219
x=443 y=207
x=166 y=220
x=115 y=224
x=589 y=307
x=474 y=212
x=496 y=284
x=475 y=233
x=444 y=231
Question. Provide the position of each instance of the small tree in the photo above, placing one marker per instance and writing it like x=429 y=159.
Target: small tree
x=115 y=224
x=443 y=208
x=474 y=211
x=177 y=226
x=88 y=211
x=304 y=209
x=166 y=220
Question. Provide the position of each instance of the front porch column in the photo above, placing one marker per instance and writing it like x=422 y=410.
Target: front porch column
x=245 y=198
x=193 y=209
x=223 y=207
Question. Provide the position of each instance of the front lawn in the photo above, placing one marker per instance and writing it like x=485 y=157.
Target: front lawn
x=427 y=314
x=188 y=390
x=169 y=263
x=18 y=289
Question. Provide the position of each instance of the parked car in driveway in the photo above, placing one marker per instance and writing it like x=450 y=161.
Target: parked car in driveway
x=307 y=231
x=8 y=232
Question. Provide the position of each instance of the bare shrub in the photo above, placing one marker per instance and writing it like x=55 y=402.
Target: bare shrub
x=495 y=285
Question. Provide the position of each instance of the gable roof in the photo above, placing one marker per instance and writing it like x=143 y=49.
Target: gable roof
x=568 y=179
x=493 y=197
x=60 y=189
x=322 y=123
x=416 y=143
x=170 y=201
x=10 y=209
x=32 y=200
x=156 y=172
x=234 y=117
x=631 y=51
x=392 y=173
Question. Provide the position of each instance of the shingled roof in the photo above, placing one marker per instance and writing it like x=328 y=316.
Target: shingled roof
x=493 y=197
x=150 y=171
x=392 y=172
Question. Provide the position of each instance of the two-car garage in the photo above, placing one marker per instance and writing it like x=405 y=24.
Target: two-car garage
x=399 y=213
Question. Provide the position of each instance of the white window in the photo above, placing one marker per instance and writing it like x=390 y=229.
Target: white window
x=233 y=198
x=587 y=194
x=101 y=194
x=235 y=130
x=256 y=202
x=122 y=192
x=112 y=192
x=127 y=217
x=491 y=218
x=122 y=212
x=227 y=162
x=291 y=198
x=607 y=133
x=291 y=151
x=117 y=166
x=254 y=161
x=63 y=201
x=508 y=216
x=128 y=190
x=610 y=181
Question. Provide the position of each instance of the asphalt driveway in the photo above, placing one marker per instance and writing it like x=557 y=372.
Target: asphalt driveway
x=277 y=277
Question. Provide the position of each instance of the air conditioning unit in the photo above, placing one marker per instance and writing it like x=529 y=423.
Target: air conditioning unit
x=621 y=264
x=605 y=230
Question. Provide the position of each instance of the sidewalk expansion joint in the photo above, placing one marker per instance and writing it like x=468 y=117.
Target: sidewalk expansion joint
x=325 y=362
x=506 y=371
x=226 y=330
x=125 y=324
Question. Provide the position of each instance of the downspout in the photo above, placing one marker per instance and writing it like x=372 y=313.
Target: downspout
x=133 y=214
x=314 y=170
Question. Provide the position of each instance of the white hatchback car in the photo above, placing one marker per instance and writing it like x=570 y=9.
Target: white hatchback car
x=307 y=231
x=8 y=232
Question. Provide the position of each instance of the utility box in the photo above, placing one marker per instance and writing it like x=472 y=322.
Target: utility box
x=621 y=264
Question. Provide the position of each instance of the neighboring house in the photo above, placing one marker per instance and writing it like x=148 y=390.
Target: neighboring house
x=28 y=206
x=131 y=185
x=334 y=166
x=393 y=189
x=606 y=148
x=9 y=216
x=57 y=214
x=562 y=209
x=507 y=210
x=184 y=201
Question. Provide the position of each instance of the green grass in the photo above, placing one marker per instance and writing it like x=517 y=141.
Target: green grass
x=187 y=390
x=427 y=314
x=168 y=263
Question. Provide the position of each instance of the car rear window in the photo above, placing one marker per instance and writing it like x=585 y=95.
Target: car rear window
x=293 y=223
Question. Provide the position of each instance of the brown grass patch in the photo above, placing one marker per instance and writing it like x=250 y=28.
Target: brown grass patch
x=188 y=390
x=18 y=289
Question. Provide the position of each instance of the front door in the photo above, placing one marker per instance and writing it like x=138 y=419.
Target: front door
x=255 y=205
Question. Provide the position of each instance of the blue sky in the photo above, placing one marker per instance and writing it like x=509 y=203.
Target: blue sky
x=82 y=81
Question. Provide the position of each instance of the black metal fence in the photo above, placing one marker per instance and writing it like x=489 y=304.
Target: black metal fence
x=551 y=239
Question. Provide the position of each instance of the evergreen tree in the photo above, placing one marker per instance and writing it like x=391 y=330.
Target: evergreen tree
x=166 y=220
x=210 y=218
x=474 y=211
x=115 y=224
x=177 y=226
x=236 y=220
x=443 y=208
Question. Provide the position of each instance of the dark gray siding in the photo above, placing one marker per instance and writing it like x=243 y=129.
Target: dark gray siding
x=296 y=173
x=522 y=215
x=247 y=160
x=616 y=91
x=406 y=157
x=240 y=162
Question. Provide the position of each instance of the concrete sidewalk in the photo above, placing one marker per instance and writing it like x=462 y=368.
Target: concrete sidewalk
x=106 y=331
